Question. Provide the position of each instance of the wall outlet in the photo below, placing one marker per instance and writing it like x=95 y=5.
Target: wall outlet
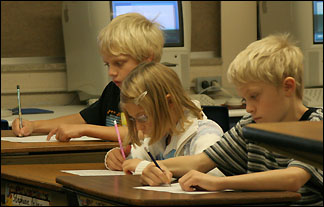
x=204 y=82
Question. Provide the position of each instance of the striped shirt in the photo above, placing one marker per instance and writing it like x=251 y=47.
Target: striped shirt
x=235 y=155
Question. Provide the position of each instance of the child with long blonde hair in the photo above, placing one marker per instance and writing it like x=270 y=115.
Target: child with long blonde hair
x=157 y=106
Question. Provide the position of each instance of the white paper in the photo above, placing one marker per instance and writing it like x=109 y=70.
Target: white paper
x=174 y=188
x=42 y=138
x=94 y=172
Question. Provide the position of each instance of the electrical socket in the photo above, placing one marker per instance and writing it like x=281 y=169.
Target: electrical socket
x=200 y=86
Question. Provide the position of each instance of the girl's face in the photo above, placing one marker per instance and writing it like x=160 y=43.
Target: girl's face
x=137 y=115
x=119 y=67
x=265 y=102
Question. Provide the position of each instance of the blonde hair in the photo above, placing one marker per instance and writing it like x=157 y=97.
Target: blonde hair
x=269 y=60
x=158 y=81
x=132 y=34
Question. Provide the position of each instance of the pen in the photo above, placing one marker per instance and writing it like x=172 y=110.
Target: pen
x=152 y=158
x=19 y=107
x=119 y=140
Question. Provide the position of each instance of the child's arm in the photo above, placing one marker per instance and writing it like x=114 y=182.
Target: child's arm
x=290 y=179
x=45 y=126
x=67 y=131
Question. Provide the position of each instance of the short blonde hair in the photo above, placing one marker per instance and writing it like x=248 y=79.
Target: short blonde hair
x=269 y=60
x=159 y=81
x=132 y=34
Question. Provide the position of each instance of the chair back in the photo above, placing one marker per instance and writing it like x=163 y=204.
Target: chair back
x=218 y=114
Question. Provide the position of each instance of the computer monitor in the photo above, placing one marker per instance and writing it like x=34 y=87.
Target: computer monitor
x=83 y=20
x=308 y=30
x=318 y=22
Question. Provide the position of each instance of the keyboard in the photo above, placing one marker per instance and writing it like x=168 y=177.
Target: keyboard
x=203 y=99
x=313 y=97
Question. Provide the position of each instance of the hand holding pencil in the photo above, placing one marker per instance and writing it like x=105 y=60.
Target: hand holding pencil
x=19 y=126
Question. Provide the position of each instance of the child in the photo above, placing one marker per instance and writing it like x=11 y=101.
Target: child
x=128 y=40
x=268 y=75
x=156 y=104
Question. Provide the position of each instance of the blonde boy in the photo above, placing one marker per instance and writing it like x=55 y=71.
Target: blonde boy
x=128 y=40
x=268 y=75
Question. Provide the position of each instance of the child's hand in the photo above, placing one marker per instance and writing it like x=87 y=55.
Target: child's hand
x=130 y=165
x=65 y=132
x=114 y=159
x=26 y=130
x=194 y=180
x=153 y=176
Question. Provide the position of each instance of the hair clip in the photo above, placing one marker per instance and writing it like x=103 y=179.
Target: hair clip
x=139 y=98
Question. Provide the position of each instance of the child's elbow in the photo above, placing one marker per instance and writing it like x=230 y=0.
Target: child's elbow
x=297 y=179
x=294 y=185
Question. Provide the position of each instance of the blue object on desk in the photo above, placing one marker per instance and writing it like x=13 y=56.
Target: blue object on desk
x=31 y=111
x=4 y=124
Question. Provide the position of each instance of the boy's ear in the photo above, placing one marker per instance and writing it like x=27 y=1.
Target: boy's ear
x=169 y=99
x=150 y=59
x=289 y=86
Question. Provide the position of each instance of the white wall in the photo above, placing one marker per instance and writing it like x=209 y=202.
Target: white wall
x=239 y=29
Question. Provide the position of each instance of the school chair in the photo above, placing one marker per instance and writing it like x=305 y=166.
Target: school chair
x=219 y=114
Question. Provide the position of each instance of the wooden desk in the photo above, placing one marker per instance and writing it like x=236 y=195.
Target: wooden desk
x=53 y=152
x=38 y=181
x=118 y=190
x=301 y=140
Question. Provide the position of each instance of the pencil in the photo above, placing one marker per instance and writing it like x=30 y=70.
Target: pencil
x=19 y=106
x=119 y=140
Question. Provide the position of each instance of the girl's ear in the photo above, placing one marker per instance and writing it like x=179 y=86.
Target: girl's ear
x=289 y=86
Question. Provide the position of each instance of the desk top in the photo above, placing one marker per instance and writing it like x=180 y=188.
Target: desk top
x=120 y=189
x=301 y=135
x=302 y=140
x=16 y=147
x=44 y=175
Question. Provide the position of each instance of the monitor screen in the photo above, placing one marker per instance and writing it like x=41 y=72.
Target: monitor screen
x=167 y=13
x=318 y=22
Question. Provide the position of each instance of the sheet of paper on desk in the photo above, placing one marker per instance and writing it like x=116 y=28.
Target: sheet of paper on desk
x=42 y=138
x=94 y=172
x=174 y=188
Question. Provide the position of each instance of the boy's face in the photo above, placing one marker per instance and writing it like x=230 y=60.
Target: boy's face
x=265 y=102
x=119 y=67
x=137 y=115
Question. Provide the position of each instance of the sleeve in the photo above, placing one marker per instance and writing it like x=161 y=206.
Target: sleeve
x=106 y=156
x=140 y=167
x=208 y=133
x=92 y=113
x=230 y=152
x=108 y=101
x=316 y=180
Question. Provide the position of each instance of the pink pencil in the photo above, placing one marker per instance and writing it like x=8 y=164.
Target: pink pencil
x=119 y=140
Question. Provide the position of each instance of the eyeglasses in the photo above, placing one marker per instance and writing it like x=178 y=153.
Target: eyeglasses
x=141 y=119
